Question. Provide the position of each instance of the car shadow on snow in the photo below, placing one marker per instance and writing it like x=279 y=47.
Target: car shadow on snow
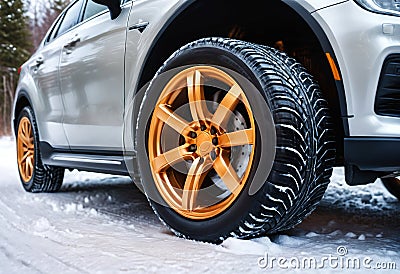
x=120 y=200
x=115 y=197
x=349 y=221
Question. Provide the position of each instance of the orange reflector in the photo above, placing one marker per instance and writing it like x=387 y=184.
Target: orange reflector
x=334 y=69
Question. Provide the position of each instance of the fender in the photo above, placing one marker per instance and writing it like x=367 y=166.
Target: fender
x=28 y=94
x=303 y=10
x=22 y=96
x=328 y=49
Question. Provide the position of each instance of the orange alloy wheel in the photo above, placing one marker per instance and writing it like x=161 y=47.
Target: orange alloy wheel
x=26 y=150
x=196 y=176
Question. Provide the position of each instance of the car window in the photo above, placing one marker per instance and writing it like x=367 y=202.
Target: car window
x=92 y=8
x=71 y=18
x=53 y=31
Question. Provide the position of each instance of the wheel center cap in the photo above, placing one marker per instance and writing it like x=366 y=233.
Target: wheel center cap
x=204 y=144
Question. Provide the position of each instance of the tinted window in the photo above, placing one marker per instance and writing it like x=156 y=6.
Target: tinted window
x=71 y=18
x=92 y=8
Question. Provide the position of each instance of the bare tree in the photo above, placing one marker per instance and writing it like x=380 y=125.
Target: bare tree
x=43 y=14
x=7 y=96
x=14 y=50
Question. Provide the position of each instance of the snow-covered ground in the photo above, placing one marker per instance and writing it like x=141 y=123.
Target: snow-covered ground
x=103 y=224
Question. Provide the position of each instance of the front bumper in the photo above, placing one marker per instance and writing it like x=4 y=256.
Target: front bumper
x=362 y=41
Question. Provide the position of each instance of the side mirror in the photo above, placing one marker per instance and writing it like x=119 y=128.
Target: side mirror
x=113 y=5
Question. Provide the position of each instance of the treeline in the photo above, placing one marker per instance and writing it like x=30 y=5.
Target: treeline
x=23 y=24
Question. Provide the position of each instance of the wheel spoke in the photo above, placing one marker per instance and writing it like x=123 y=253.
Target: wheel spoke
x=26 y=155
x=26 y=169
x=165 y=114
x=30 y=166
x=227 y=105
x=228 y=175
x=31 y=143
x=25 y=140
x=23 y=128
x=23 y=167
x=170 y=158
x=29 y=130
x=26 y=129
x=197 y=102
x=194 y=180
x=237 y=138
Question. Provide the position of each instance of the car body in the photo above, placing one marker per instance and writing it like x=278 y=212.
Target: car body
x=87 y=80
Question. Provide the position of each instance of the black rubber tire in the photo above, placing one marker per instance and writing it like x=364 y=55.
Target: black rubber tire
x=392 y=185
x=45 y=178
x=305 y=146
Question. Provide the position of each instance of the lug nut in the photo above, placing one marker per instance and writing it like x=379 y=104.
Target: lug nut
x=193 y=135
x=215 y=141
x=213 y=131
x=192 y=148
x=203 y=127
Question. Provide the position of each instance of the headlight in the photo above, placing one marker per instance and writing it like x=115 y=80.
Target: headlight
x=391 y=7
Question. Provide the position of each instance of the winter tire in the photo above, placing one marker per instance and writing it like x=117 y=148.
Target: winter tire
x=199 y=187
x=34 y=175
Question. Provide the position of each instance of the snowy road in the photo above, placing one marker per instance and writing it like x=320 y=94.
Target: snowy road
x=103 y=224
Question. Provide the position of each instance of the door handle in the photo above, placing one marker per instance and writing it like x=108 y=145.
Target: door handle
x=36 y=64
x=72 y=43
x=39 y=61
x=141 y=26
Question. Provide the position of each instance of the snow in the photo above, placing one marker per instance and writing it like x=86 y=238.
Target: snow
x=103 y=224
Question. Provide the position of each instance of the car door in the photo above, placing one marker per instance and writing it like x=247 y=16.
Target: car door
x=92 y=80
x=44 y=69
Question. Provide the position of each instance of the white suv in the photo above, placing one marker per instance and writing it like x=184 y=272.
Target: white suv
x=211 y=108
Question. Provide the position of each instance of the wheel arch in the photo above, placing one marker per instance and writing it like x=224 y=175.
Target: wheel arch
x=262 y=26
x=23 y=100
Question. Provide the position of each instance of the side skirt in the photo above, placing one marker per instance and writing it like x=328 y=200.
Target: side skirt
x=110 y=162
